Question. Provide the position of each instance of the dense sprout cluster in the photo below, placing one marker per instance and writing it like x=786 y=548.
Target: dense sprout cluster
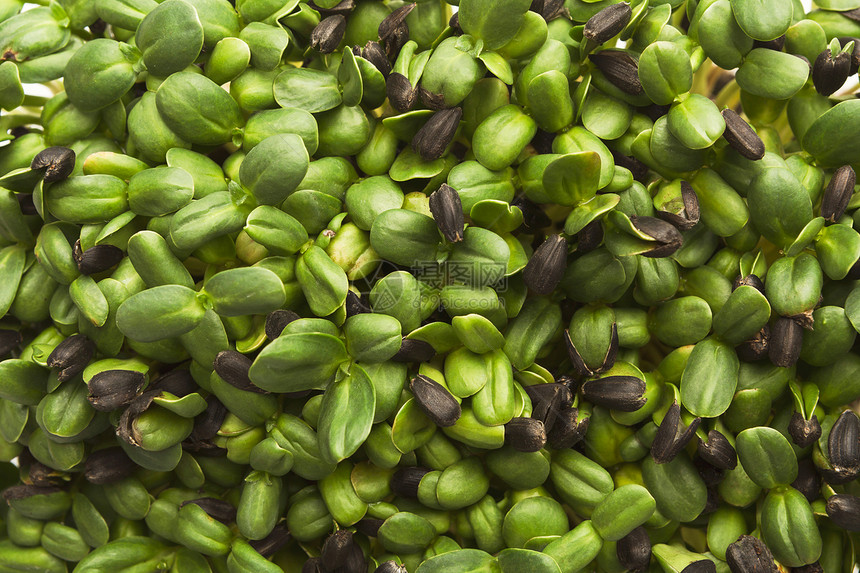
x=341 y=287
